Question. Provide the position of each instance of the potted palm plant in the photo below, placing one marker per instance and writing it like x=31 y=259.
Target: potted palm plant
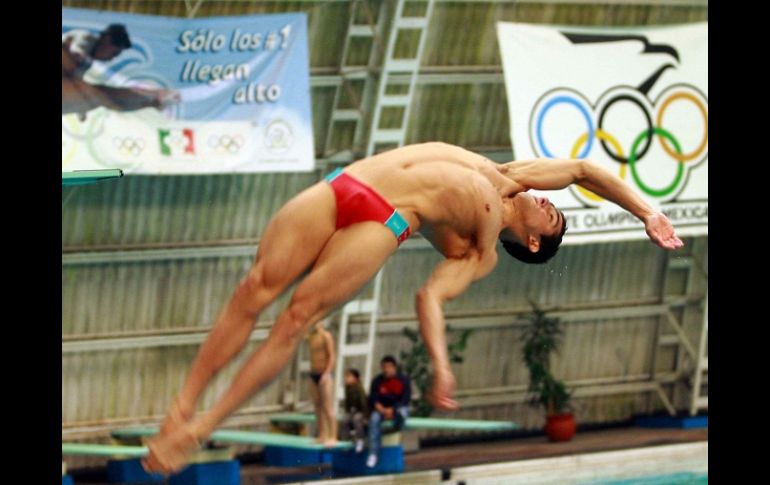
x=542 y=337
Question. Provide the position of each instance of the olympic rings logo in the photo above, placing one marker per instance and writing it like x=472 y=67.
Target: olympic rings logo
x=226 y=144
x=596 y=135
x=128 y=145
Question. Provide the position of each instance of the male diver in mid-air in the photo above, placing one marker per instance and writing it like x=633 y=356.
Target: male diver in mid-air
x=335 y=235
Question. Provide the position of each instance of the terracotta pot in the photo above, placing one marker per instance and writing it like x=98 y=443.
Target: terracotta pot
x=560 y=427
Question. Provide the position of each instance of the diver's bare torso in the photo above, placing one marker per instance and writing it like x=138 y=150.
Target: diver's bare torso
x=445 y=199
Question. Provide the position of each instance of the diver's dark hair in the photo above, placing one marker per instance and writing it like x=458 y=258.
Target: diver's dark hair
x=548 y=247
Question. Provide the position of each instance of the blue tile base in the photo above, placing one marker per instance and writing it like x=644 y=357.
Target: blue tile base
x=67 y=480
x=349 y=462
x=130 y=471
x=213 y=473
x=287 y=456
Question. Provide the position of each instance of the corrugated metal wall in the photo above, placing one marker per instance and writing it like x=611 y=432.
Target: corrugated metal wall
x=173 y=296
x=146 y=210
x=182 y=296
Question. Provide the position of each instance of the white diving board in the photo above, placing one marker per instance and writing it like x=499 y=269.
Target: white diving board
x=79 y=177
x=414 y=423
x=242 y=438
x=103 y=450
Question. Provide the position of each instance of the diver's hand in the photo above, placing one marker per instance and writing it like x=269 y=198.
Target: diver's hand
x=442 y=390
x=661 y=232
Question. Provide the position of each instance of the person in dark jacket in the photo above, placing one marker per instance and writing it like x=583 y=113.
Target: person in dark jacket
x=388 y=399
x=356 y=409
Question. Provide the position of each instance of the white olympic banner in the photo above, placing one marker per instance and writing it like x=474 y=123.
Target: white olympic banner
x=634 y=101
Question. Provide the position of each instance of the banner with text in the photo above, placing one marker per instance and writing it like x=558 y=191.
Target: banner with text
x=166 y=95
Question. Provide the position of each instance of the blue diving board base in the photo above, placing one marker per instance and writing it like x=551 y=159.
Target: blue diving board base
x=684 y=422
x=288 y=456
x=67 y=480
x=214 y=473
x=131 y=471
x=349 y=463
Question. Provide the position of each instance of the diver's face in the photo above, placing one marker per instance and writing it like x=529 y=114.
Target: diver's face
x=539 y=216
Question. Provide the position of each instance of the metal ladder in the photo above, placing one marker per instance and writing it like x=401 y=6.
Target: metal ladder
x=353 y=111
x=401 y=67
x=697 y=400
x=684 y=347
x=345 y=350
x=379 y=136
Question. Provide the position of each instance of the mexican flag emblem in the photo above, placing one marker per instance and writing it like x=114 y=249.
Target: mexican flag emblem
x=174 y=142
